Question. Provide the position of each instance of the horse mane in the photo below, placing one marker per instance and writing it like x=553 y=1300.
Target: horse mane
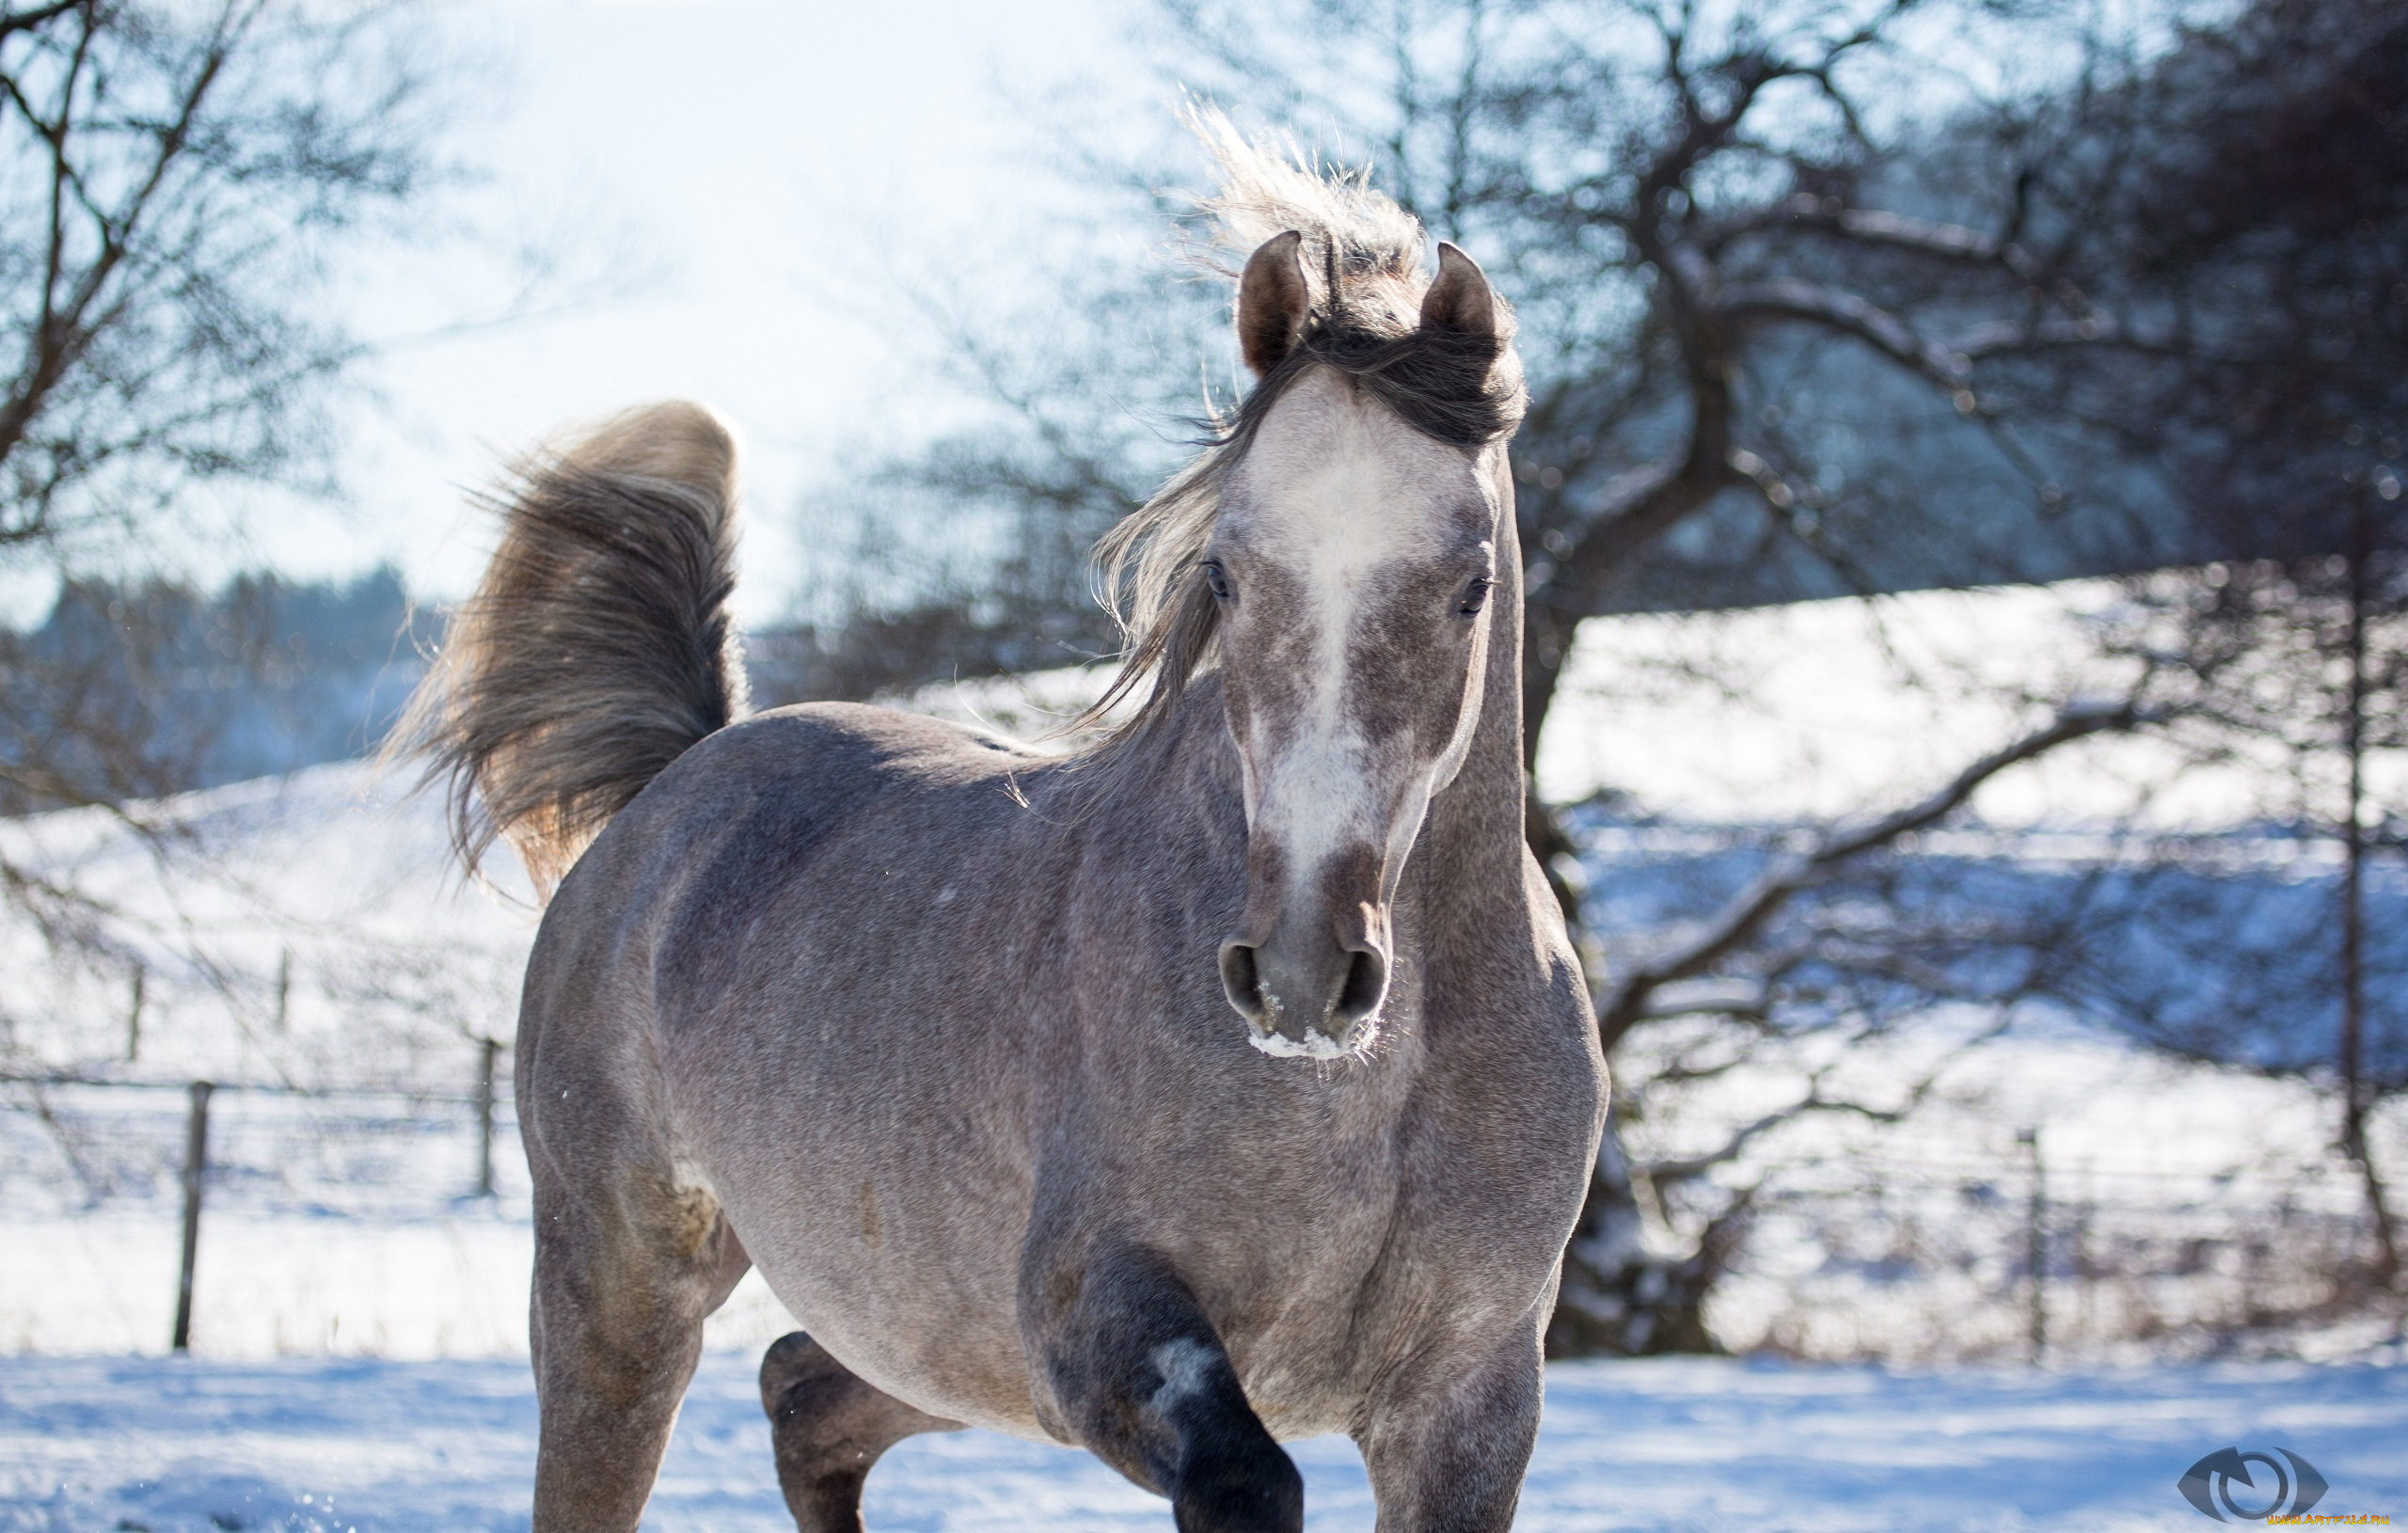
x=1362 y=257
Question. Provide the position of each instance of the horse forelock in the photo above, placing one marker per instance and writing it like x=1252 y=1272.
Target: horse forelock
x=1363 y=258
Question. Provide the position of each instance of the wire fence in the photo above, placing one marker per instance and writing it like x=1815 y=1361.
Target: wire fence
x=264 y=1217
x=1973 y=1259
x=94 y=1163
x=194 y=1177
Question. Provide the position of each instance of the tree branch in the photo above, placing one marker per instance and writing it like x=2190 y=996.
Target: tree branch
x=1690 y=1167
x=1625 y=1004
x=2005 y=338
x=24 y=20
x=1833 y=308
x=62 y=334
x=1951 y=242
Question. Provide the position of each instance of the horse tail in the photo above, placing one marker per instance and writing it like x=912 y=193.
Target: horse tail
x=599 y=646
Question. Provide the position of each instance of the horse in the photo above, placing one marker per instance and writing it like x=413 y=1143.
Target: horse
x=1226 y=1078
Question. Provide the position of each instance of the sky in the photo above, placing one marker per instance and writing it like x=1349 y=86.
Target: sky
x=725 y=186
x=735 y=193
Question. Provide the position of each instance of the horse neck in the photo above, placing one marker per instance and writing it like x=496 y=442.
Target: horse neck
x=1476 y=824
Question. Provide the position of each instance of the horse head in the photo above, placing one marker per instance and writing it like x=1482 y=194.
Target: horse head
x=1351 y=559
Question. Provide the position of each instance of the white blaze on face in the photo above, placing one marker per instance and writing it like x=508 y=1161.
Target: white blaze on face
x=1335 y=494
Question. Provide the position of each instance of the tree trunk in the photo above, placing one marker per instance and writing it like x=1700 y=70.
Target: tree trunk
x=2354 y=844
x=1621 y=1299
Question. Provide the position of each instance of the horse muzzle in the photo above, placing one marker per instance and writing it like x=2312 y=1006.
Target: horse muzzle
x=1311 y=984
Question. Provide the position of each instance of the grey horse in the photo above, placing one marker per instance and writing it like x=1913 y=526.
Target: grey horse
x=1227 y=1079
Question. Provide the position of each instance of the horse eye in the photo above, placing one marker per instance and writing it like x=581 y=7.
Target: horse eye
x=1217 y=580
x=1475 y=597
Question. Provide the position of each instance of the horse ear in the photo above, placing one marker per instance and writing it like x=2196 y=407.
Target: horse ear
x=1272 y=302
x=1460 y=298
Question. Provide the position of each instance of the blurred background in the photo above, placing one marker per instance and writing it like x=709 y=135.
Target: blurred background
x=1967 y=644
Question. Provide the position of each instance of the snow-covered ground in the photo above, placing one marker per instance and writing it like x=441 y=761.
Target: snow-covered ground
x=343 y=1227
x=308 y=932
x=311 y=927
x=1826 y=709
x=195 y=1447
x=2183 y=1199
x=359 y=1333
x=306 y=929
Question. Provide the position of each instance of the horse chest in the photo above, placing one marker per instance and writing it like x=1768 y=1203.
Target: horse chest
x=1326 y=1221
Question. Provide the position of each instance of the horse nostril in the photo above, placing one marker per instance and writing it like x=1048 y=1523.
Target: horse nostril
x=1241 y=981
x=1367 y=985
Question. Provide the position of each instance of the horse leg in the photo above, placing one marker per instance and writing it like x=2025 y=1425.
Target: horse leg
x=1137 y=1374
x=829 y=1427
x=1448 y=1443
x=630 y=1256
x=618 y=1307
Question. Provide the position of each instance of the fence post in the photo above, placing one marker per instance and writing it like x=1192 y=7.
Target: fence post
x=485 y=1115
x=195 y=1166
x=133 y=1020
x=2086 y=1313
x=2036 y=1248
x=283 y=990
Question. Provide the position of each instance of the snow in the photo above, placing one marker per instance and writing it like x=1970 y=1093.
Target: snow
x=177 y=1446
x=359 y=1333
x=342 y=1225
x=1315 y=1044
x=393 y=967
x=1827 y=709
x=347 y=1228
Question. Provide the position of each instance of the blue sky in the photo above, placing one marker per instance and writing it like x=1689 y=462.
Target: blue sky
x=743 y=177
x=756 y=166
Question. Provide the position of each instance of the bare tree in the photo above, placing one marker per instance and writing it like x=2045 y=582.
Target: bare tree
x=178 y=182
x=2261 y=219
x=2291 y=681
x=178 y=178
x=1744 y=301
